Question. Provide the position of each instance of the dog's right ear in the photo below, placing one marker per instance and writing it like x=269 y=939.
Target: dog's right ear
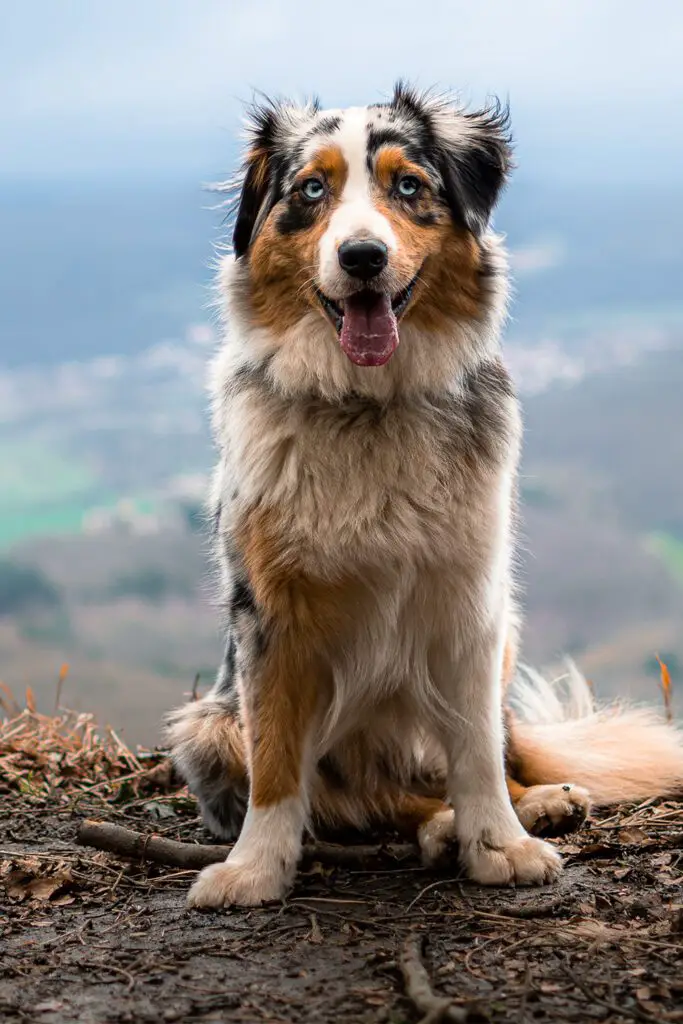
x=258 y=193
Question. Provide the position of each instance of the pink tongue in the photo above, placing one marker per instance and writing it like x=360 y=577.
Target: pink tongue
x=369 y=333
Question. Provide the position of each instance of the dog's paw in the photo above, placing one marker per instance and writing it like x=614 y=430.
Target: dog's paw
x=553 y=810
x=524 y=861
x=244 y=885
x=434 y=837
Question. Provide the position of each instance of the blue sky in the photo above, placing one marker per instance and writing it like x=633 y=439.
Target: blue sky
x=95 y=87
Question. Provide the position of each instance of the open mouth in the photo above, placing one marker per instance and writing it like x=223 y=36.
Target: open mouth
x=367 y=323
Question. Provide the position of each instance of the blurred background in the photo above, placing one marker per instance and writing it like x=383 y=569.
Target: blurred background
x=112 y=116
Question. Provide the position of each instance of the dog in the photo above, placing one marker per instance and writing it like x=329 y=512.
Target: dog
x=363 y=514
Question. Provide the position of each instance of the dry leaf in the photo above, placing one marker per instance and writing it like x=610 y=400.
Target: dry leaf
x=633 y=837
x=622 y=873
x=595 y=850
x=594 y=931
x=22 y=884
x=43 y=888
x=16 y=885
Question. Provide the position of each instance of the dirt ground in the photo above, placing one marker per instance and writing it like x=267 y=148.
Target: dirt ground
x=87 y=936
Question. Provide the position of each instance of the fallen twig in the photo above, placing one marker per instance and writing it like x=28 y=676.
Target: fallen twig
x=434 y=1008
x=124 y=842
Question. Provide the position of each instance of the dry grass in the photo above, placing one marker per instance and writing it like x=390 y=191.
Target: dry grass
x=66 y=751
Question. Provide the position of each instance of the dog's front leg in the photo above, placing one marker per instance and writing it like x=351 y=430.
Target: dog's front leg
x=281 y=695
x=493 y=846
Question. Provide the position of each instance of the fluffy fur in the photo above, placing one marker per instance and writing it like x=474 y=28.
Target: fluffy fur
x=363 y=511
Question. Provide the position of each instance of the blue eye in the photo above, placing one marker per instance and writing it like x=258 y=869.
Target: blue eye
x=312 y=189
x=408 y=186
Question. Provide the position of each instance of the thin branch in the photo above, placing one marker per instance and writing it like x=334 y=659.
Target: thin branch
x=433 y=1008
x=192 y=856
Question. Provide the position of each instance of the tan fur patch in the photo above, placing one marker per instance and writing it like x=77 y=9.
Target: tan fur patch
x=281 y=270
x=447 y=258
x=289 y=683
x=387 y=805
x=317 y=609
x=417 y=242
x=258 y=162
x=515 y=789
x=392 y=161
x=449 y=287
x=328 y=161
x=304 y=615
x=282 y=267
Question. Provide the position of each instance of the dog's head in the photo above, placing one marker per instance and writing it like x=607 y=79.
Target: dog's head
x=370 y=216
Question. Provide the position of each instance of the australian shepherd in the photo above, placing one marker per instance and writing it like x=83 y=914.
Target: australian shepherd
x=363 y=511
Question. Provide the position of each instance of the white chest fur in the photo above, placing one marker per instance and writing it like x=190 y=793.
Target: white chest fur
x=409 y=480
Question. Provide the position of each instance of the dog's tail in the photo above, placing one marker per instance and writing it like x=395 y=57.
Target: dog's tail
x=619 y=753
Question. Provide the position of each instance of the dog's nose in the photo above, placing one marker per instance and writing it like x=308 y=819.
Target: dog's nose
x=364 y=259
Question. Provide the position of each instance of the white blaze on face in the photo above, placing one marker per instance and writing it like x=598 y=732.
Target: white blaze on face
x=355 y=216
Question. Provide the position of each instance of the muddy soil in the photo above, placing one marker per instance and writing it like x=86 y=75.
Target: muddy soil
x=87 y=937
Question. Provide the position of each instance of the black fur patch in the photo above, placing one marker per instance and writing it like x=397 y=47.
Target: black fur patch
x=488 y=391
x=215 y=519
x=248 y=376
x=225 y=683
x=325 y=126
x=297 y=215
x=260 y=190
x=242 y=599
x=331 y=773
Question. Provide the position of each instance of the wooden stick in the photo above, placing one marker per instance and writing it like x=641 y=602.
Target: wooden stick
x=192 y=856
x=433 y=1008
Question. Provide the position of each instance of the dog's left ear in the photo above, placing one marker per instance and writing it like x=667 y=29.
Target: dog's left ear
x=258 y=189
x=252 y=199
x=475 y=160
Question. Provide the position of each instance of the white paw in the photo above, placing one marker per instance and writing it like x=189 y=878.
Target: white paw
x=523 y=861
x=434 y=837
x=245 y=885
x=553 y=810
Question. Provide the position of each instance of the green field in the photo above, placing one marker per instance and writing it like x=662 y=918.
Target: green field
x=43 y=491
x=670 y=550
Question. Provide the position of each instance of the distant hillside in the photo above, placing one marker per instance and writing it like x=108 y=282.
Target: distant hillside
x=625 y=428
x=603 y=520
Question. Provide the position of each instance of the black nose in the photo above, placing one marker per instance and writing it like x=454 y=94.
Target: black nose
x=364 y=259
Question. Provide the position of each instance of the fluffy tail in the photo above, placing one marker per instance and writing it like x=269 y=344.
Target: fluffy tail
x=618 y=753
